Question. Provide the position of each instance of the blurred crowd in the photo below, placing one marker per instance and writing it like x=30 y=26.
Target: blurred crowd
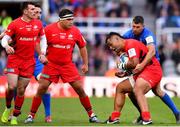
x=100 y=58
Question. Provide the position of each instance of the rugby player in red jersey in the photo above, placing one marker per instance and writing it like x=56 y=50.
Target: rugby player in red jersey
x=62 y=36
x=141 y=82
x=20 y=64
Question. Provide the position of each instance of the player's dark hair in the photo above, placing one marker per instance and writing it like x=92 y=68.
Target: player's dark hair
x=37 y=5
x=138 y=19
x=25 y=5
x=111 y=34
x=65 y=12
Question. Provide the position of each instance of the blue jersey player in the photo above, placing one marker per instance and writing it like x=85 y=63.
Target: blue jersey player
x=46 y=98
x=141 y=33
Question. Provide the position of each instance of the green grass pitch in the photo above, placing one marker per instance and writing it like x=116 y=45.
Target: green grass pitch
x=69 y=112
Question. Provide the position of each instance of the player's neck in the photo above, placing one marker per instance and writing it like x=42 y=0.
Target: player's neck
x=60 y=26
x=25 y=18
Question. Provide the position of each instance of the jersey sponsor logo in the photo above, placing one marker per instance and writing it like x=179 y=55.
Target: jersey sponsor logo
x=132 y=52
x=149 y=39
x=62 y=46
x=28 y=38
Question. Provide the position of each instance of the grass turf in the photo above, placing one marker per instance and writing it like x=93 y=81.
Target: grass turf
x=69 y=112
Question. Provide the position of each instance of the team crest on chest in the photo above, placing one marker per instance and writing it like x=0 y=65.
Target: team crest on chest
x=70 y=37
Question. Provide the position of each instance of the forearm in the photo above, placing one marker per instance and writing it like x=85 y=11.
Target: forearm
x=148 y=58
x=84 y=55
x=5 y=40
x=43 y=44
x=38 y=49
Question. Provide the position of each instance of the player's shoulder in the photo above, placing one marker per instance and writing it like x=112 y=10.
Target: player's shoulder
x=17 y=20
x=128 y=33
x=50 y=25
x=147 y=32
x=37 y=21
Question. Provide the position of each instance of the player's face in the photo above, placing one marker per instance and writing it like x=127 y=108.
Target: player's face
x=37 y=12
x=137 y=28
x=68 y=23
x=30 y=13
x=114 y=44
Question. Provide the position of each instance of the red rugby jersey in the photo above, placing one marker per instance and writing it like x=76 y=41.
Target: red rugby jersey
x=137 y=49
x=25 y=35
x=61 y=43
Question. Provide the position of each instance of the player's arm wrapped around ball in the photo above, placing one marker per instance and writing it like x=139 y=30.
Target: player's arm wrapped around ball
x=121 y=64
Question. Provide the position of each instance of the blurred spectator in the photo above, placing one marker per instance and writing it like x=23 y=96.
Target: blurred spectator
x=89 y=10
x=176 y=56
x=5 y=19
x=161 y=54
x=124 y=7
x=3 y=59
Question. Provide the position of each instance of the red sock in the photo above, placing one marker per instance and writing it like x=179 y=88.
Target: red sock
x=115 y=115
x=35 y=105
x=9 y=97
x=18 y=104
x=146 y=116
x=87 y=105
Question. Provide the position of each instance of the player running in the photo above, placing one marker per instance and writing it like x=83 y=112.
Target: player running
x=62 y=37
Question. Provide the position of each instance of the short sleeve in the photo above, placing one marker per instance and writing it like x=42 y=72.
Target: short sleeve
x=11 y=29
x=80 y=41
x=133 y=51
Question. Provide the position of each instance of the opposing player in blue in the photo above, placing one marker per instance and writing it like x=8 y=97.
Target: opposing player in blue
x=37 y=72
x=141 y=33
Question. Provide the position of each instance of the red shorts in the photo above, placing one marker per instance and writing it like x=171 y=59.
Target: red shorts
x=19 y=66
x=68 y=73
x=151 y=74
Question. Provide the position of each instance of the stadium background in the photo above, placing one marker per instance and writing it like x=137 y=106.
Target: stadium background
x=95 y=18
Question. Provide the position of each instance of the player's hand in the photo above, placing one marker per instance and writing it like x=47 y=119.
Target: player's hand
x=138 y=68
x=9 y=49
x=120 y=74
x=84 y=68
x=43 y=59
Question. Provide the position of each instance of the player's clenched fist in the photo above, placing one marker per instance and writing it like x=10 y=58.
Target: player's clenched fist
x=9 y=49
x=42 y=58
x=84 y=68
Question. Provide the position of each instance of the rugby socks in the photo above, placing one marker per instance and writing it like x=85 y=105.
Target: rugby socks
x=146 y=116
x=15 y=93
x=167 y=100
x=115 y=115
x=9 y=97
x=18 y=104
x=46 y=98
x=35 y=105
x=87 y=105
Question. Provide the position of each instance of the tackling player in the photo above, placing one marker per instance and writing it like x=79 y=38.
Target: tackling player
x=20 y=65
x=141 y=82
x=142 y=34
x=61 y=38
